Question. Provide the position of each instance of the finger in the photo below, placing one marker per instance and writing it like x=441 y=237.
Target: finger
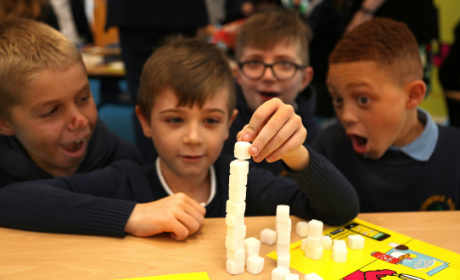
x=195 y=208
x=286 y=132
x=271 y=129
x=291 y=144
x=259 y=118
x=188 y=221
x=178 y=230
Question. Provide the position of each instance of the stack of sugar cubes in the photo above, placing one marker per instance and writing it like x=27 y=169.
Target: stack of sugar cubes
x=283 y=245
x=236 y=205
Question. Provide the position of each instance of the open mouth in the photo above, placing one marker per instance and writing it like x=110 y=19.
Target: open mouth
x=268 y=94
x=75 y=146
x=359 y=143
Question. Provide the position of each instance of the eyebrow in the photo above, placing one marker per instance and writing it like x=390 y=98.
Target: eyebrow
x=358 y=84
x=52 y=102
x=176 y=110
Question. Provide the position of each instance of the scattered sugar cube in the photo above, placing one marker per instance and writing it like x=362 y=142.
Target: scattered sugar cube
x=315 y=228
x=241 y=150
x=326 y=241
x=268 y=236
x=313 y=276
x=279 y=273
x=255 y=264
x=313 y=248
x=301 y=228
x=252 y=246
x=355 y=242
x=339 y=251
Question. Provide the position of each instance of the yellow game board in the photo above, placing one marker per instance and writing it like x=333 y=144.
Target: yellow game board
x=387 y=255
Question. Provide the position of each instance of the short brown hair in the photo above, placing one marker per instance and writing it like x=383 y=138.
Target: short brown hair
x=384 y=41
x=26 y=48
x=266 y=29
x=194 y=69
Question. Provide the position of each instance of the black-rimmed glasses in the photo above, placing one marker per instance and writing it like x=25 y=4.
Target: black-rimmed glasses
x=282 y=70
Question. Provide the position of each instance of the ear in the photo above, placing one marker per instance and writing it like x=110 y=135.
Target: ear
x=230 y=121
x=145 y=124
x=233 y=117
x=307 y=76
x=416 y=91
x=6 y=128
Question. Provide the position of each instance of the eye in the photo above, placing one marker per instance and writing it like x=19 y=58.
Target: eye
x=52 y=111
x=174 y=120
x=253 y=64
x=212 y=121
x=363 y=100
x=285 y=65
x=337 y=101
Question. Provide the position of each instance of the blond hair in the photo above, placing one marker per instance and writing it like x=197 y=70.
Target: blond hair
x=26 y=48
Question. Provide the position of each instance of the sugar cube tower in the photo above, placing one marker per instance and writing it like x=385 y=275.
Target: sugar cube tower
x=234 y=218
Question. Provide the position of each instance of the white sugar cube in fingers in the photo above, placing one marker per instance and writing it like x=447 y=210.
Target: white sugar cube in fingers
x=315 y=228
x=355 y=242
x=241 y=150
x=292 y=276
x=279 y=273
x=268 y=236
x=326 y=241
x=312 y=276
x=252 y=246
x=282 y=211
x=283 y=260
x=301 y=228
x=239 y=167
x=235 y=266
x=255 y=264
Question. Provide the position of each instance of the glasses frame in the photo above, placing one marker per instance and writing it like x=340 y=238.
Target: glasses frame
x=297 y=67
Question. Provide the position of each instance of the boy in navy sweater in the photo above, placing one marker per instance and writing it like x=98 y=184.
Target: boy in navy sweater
x=393 y=153
x=186 y=106
x=273 y=61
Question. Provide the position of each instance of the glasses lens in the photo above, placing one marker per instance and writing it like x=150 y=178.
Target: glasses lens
x=253 y=69
x=284 y=70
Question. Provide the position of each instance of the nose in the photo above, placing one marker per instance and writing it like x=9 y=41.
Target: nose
x=78 y=119
x=347 y=115
x=268 y=74
x=193 y=134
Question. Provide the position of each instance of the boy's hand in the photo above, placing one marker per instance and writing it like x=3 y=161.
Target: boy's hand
x=276 y=132
x=178 y=214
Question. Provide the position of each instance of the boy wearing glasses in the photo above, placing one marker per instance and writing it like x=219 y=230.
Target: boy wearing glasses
x=272 y=55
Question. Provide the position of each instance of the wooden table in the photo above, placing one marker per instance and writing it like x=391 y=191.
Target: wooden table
x=32 y=255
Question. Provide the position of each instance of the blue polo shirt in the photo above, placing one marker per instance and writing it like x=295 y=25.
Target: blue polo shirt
x=423 y=146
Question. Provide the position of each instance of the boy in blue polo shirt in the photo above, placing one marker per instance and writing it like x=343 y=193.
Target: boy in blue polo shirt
x=393 y=153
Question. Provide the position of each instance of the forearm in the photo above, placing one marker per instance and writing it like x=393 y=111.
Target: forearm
x=332 y=197
x=49 y=209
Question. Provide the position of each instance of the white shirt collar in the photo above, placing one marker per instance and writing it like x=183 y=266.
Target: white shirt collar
x=213 y=181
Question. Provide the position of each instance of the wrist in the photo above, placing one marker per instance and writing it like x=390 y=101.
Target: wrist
x=297 y=159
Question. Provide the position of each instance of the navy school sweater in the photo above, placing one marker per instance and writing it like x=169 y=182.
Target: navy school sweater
x=103 y=200
x=396 y=182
